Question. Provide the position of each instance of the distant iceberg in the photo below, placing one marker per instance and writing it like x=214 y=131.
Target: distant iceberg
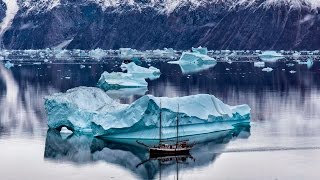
x=91 y=110
x=194 y=57
x=117 y=80
x=259 y=64
x=141 y=72
x=267 y=69
x=201 y=50
x=270 y=56
x=8 y=65
x=195 y=61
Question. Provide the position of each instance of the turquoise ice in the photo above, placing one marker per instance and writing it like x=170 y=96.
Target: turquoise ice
x=91 y=110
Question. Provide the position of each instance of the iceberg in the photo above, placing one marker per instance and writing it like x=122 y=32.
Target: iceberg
x=270 y=56
x=117 y=80
x=267 y=69
x=201 y=50
x=309 y=63
x=187 y=68
x=196 y=61
x=8 y=65
x=259 y=64
x=91 y=110
x=141 y=72
x=194 y=57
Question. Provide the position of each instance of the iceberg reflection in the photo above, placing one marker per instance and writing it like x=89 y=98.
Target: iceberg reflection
x=83 y=149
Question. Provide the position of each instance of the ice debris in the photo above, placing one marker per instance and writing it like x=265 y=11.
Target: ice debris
x=8 y=65
x=91 y=110
x=292 y=71
x=270 y=56
x=267 y=69
x=97 y=54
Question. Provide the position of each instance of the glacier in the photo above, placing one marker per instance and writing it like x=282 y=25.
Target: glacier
x=91 y=110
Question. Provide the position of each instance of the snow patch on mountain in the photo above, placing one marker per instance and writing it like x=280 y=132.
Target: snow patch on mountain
x=12 y=9
x=162 y=6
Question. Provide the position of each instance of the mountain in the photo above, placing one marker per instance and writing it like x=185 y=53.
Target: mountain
x=152 y=24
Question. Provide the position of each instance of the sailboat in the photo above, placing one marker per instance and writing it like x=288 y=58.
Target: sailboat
x=169 y=149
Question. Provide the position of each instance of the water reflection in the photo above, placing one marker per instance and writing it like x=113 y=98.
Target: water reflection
x=21 y=107
x=82 y=149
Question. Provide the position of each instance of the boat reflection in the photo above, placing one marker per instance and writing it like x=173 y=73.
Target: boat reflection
x=84 y=149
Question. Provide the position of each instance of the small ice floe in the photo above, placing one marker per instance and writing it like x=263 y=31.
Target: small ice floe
x=82 y=66
x=67 y=77
x=292 y=71
x=227 y=69
x=267 y=69
x=290 y=64
x=8 y=65
x=37 y=63
x=259 y=64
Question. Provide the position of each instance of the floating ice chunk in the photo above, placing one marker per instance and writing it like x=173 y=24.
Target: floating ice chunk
x=201 y=50
x=290 y=64
x=88 y=109
x=8 y=65
x=194 y=62
x=98 y=54
x=259 y=64
x=117 y=80
x=267 y=69
x=82 y=66
x=194 y=57
x=292 y=71
x=270 y=56
x=309 y=63
x=193 y=68
x=141 y=72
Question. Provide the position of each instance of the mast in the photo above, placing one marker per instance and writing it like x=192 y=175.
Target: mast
x=178 y=124
x=160 y=123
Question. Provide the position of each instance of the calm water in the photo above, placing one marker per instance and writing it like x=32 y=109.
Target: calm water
x=283 y=141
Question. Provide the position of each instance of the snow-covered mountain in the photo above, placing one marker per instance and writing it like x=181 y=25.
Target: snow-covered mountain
x=150 y=24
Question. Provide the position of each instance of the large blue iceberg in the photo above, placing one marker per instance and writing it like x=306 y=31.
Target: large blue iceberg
x=91 y=110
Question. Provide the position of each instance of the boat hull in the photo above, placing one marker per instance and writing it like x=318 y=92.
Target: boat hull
x=156 y=152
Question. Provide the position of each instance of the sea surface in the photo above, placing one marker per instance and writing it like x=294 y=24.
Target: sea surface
x=282 y=141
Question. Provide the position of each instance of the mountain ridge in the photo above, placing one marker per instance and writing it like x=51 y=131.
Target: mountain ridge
x=152 y=24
